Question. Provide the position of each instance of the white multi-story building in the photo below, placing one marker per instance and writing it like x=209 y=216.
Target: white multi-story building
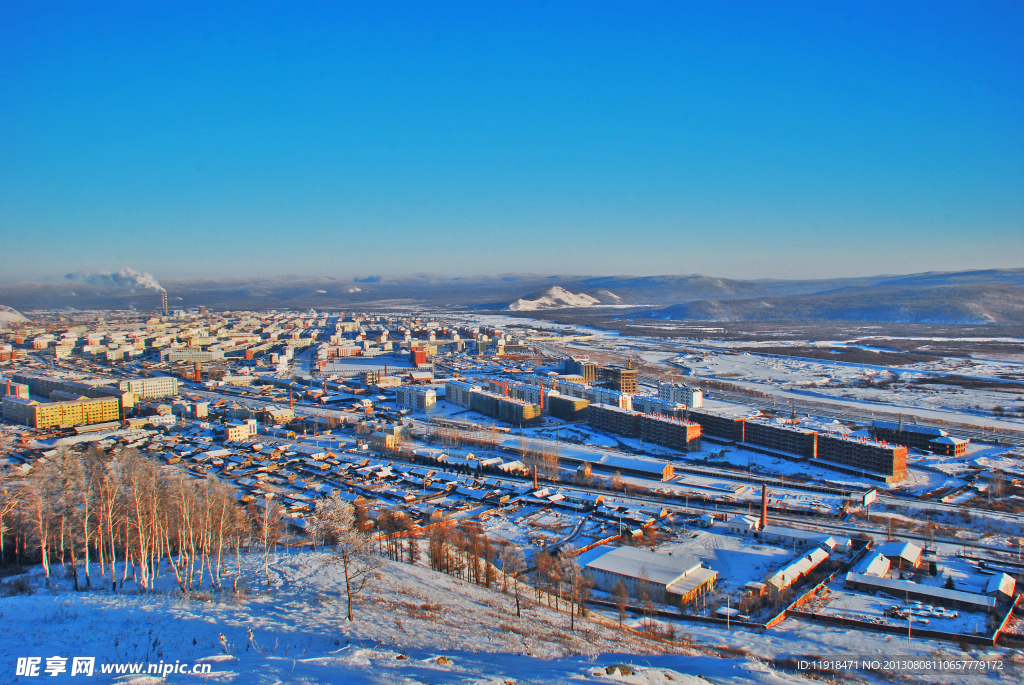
x=681 y=394
x=622 y=400
x=416 y=398
x=459 y=393
x=653 y=405
x=158 y=386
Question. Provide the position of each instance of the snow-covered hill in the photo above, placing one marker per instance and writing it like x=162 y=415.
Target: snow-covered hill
x=9 y=316
x=555 y=297
x=414 y=626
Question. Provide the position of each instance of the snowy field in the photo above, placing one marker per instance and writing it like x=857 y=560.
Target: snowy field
x=806 y=378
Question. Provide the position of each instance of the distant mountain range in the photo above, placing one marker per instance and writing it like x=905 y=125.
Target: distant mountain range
x=992 y=296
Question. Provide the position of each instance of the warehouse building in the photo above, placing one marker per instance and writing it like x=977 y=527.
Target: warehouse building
x=676 y=580
x=639 y=467
x=798 y=569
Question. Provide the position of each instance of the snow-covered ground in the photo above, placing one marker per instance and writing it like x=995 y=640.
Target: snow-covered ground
x=416 y=626
x=806 y=378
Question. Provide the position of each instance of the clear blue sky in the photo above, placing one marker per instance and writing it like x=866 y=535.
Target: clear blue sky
x=745 y=140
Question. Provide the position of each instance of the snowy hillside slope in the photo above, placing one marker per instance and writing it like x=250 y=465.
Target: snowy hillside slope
x=555 y=297
x=416 y=626
x=299 y=632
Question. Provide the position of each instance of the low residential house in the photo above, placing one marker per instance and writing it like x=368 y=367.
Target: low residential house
x=902 y=555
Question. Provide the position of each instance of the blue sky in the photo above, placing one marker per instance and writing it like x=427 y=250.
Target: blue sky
x=744 y=140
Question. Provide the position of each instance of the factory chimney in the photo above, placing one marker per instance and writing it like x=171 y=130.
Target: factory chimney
x=764 y=507
x=534 y=476
x=291 y=400
x=542 y=399
x=198 y=367
x=163 y=301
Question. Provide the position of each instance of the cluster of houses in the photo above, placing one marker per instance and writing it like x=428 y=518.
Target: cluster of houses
x=899 y=569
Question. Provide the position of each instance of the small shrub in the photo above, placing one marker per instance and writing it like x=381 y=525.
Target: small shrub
x=18 y=586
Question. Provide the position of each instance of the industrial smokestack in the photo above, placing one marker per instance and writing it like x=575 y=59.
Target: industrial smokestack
x=198 y=368
x=291 y=400
x=764 y=506
x=534 y=476
x=163 y=301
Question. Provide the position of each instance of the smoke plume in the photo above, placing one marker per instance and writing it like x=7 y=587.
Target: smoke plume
x=125 y=279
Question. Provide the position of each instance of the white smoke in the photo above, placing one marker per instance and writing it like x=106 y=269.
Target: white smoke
x=126 y=279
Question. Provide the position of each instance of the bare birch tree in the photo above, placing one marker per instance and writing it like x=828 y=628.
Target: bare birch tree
x=334 y=524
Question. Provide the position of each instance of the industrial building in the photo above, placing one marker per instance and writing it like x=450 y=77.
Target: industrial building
x=676 y=580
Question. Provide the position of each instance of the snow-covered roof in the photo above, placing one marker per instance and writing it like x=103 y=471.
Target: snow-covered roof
x=789 y=574
x=660 y=569
x=874 y=565
x=949 y=440
x=909 y=428
x=906 y=550
x=898 y=587
x=1001 y=583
